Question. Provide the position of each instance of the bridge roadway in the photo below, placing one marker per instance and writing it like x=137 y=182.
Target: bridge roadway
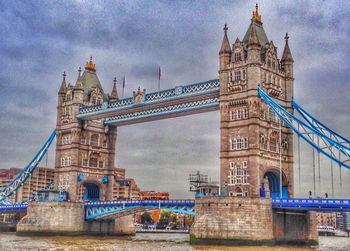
x=105 y=209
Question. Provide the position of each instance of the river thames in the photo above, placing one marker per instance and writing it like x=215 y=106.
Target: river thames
x=144 y=242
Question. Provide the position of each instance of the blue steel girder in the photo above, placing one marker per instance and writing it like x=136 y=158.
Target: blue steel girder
x=329 y=147
x=178 y=101
x=109 y=209
x=17 y=182
x=334 y=205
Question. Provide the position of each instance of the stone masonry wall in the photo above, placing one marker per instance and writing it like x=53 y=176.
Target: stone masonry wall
x=236 y=219
x=52 y=218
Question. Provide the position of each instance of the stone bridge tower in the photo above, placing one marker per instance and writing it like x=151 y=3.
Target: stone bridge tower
x=251 y=146
x=85 y=150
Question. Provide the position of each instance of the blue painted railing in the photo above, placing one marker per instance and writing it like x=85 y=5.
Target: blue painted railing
x=312 y=204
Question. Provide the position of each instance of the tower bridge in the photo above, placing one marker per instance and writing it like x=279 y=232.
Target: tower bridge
x=258 y=118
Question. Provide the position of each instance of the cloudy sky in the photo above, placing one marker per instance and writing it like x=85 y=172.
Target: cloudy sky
x=41 y=39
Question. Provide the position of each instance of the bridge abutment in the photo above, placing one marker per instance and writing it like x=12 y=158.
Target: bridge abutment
x=249 y=221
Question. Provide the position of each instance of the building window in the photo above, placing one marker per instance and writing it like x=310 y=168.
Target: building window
x=66 y=139
x=85 y=162
x=94 y=140
x=239 y=114
x=100 y=164
x=65 y=161
x=273 y=144
x=68 y=97
x=93 y=162
x=94 y=100
x=83 y=140
x=263 y=141
x=238 y=174
x=239 y=143
x=66 y=111
x=104 y=144
x=237 y=75
x=238 y=56
x=244 y=74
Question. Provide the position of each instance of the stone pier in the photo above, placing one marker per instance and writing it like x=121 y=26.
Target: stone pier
x=249 y=221
x=67 y=218
x=48 y=218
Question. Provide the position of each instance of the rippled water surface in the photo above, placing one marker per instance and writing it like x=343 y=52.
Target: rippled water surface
x=171 y=242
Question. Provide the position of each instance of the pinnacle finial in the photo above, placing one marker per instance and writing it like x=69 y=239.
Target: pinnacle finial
x=90 y=65
x=256 y=17
x=64 y=76
x=225 y=28
x=115 y=80
x=79 y=70
x=286 y=37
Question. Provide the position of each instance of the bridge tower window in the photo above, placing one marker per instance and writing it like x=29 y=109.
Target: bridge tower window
x=238 y=56
x=94 y=140
x=239 y=143
x=237 y=75
x=238 y=174
x=93 y=162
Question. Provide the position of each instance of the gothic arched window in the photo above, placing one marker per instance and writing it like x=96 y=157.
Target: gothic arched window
x=94 y=140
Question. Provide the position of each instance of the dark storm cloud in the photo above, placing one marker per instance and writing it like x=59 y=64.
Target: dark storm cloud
x=41 y=39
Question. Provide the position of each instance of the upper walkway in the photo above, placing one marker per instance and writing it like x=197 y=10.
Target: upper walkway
x=179 y=101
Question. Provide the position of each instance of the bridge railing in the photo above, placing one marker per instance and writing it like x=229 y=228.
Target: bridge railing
x=317 y=204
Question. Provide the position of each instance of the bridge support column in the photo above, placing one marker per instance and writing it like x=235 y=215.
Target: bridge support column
x=48 y=218
x=125 y=225
x=232 y=221
x=250 y=221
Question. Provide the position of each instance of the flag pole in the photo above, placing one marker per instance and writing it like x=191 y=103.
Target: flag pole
x=159 y=74
x=123 y=87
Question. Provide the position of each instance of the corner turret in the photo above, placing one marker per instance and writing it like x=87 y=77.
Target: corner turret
x=225 y=51
x=114 y=93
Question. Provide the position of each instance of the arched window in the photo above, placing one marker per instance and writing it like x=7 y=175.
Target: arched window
x=272 y=116
x=94 y=100
x=237 y=56
x=68 y=97
x=94 y=140
x=93 y=161
x=273 y=144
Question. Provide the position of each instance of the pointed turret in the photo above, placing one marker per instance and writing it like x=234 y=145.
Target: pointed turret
x=225 y=51
x=287 y=55
x=253 y=37
x=63 y=88
x=114 y=94
x=225 y=46
x=79 y=84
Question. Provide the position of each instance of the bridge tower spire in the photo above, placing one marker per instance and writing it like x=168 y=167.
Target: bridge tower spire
x=250 y=140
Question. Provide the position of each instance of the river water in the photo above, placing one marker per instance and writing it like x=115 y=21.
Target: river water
x=145 y=242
